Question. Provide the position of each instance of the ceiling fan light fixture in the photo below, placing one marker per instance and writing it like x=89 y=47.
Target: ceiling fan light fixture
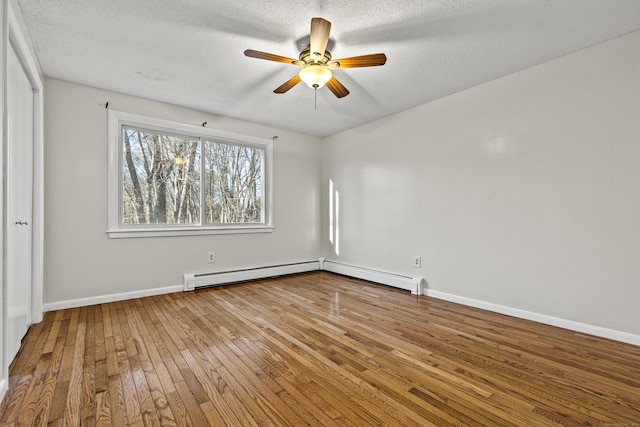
x=316 y=62
x=315 y=75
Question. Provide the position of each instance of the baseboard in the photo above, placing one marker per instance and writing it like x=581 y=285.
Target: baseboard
x=225 y=277
x=3 y=389
x=540 y=318
x=416 y=286
x=81 y=302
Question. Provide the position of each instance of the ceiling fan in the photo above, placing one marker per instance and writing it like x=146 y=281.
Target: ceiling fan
x=316 y=61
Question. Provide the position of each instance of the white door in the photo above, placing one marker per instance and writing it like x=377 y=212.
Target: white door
x=19 y=203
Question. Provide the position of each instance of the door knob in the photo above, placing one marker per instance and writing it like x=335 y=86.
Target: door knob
x=22 y=223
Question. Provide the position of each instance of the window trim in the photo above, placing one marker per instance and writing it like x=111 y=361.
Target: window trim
x=115 y=229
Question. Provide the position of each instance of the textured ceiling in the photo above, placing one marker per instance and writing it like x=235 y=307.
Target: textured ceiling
x=190 y=52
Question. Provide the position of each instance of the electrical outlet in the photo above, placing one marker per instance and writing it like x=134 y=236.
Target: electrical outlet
x=417 y=261
x=211 y=257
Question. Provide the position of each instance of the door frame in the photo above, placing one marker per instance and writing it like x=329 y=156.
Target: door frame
x=32 y=70
x=16 y=39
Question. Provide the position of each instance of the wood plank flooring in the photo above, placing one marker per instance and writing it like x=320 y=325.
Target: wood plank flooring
x=313 y=349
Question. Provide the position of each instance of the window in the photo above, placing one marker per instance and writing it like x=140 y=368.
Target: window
x=167 y=178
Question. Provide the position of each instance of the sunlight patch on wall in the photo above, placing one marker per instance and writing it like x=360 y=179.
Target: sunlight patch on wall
x=331 y=211
x=334 y=216
x=337 y=243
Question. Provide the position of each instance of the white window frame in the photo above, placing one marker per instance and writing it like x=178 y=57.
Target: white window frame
x=115 y=229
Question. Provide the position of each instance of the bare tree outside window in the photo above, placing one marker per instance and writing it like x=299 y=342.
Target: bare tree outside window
x=165 y=180
x=233 y=177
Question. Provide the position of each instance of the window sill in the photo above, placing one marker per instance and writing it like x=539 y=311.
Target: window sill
x=187 y=231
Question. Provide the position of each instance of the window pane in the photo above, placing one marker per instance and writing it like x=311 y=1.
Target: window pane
x=161 y=178
x=234 y=187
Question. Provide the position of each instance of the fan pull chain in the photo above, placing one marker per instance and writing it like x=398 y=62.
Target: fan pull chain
x=315 y=98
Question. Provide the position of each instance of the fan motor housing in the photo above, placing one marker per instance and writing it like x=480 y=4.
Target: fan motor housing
x=306 y=56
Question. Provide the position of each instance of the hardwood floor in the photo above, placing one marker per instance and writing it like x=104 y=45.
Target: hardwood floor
x=314 y=349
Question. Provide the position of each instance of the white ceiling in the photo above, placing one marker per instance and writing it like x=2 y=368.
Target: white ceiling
x=190 y=52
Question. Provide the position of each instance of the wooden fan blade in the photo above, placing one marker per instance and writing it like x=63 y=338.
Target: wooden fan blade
x=372 y=60
x=319 y=37
x=271 y=57
x=337 y=88
x=288 y=84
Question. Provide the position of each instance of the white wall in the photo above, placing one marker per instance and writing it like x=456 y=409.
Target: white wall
x=522 y=192
x=82 y=262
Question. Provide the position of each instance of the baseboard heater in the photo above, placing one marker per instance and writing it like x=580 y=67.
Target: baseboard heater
x=201 y=280
x=413 y=284
x=204 y=280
